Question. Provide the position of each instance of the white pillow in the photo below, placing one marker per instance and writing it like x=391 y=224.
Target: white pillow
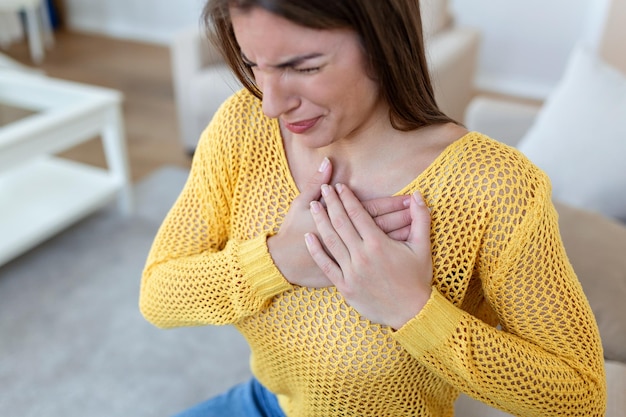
x=579 y=136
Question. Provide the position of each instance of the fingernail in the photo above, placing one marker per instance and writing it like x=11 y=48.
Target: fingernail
x=406 y=202
x=325 y=189
x=315 y=206
x=308 y=239
x=418 y=198
x=324 y=165
x=339 y=188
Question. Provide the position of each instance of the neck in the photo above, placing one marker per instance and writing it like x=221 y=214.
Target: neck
x=362 y=161
x=373 y=162
x=366 y=145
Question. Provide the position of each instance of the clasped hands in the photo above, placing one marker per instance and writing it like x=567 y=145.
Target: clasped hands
x=377 y=253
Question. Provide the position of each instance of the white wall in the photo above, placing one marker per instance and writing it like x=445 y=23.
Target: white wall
x=143 y=20
x=526 y=43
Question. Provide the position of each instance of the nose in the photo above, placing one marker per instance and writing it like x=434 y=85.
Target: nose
x=277 y=96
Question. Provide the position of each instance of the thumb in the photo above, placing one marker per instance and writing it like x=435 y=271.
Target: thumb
x=419 y=235
x=312 y=188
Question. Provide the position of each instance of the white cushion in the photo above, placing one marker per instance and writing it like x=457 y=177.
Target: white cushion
x=579 y=136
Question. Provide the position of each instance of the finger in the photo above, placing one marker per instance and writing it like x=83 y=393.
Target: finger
x=391 y=214
x=400 y=235
x=340 y=218
x=362 y=222
x=322 y=260
x=394 y=221
x=385 y=205
x=419 y=236
x=335 y=246
x=311 y=189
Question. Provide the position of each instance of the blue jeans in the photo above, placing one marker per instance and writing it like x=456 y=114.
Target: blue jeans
x=249 y=399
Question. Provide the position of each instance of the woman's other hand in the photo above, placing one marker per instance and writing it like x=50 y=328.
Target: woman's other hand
x=288 y=249
x=385 y=280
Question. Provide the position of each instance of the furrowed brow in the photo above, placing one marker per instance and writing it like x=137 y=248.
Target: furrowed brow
x=293 y=62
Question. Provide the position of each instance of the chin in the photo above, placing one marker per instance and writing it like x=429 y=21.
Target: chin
x=314 y=140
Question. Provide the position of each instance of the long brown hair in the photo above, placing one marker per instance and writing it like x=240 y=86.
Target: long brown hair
x=391 y=34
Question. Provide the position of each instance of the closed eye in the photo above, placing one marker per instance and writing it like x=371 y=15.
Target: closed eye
x=307 y=70
x=294 y=64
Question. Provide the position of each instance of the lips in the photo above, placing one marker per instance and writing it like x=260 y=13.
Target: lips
x=301 y=126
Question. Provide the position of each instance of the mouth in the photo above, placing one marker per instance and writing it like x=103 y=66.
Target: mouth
x=301 y=126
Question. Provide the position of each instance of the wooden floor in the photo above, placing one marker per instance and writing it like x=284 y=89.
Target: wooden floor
x=142 y=72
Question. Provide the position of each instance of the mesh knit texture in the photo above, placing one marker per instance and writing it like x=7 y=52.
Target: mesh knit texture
x=498 y=260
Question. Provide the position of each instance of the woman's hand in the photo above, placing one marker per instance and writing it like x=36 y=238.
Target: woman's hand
x=287 y=247
x=385 y=280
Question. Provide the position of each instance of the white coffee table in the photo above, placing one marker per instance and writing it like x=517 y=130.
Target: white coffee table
x=41 y=194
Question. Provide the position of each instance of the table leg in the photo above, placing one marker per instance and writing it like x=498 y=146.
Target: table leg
x=114 y=143
x=34 y=34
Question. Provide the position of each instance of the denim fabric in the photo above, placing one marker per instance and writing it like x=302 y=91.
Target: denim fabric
x=249 y=399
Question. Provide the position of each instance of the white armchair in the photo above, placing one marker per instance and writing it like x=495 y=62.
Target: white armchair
x=202 y=81
x=452 y=53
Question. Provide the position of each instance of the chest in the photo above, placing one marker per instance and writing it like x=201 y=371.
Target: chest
x=367 y=181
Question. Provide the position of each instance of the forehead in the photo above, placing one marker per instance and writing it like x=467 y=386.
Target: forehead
x=259 y=32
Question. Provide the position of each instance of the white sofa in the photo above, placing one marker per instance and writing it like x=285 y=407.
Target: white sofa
x=202 y=81
x=592 y=233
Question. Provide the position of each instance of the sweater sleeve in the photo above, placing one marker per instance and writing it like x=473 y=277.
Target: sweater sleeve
x=197 y=273
x=546 y=357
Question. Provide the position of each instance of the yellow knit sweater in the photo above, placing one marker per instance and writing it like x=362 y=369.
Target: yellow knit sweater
x=498 y=260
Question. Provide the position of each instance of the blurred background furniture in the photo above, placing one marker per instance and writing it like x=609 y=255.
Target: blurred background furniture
x=41 y=194
x=202 y=81
x=37 y=23
x=452 y=51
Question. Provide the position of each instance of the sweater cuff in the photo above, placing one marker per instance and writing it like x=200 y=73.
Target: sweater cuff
x=259 y=270
x=432 y=327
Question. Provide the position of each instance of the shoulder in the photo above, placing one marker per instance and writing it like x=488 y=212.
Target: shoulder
x=492 y=171
x=487 y=156
x=238 y=120
x=239 y=111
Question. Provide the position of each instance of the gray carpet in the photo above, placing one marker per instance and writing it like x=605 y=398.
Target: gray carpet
x=72 y=341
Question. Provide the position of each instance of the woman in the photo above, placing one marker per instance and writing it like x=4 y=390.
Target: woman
x=303 y=224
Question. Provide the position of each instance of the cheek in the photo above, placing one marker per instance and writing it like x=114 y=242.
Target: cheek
x=347 y=94
x=358 y=96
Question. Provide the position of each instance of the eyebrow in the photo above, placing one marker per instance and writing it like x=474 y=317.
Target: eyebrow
x=293 y=62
